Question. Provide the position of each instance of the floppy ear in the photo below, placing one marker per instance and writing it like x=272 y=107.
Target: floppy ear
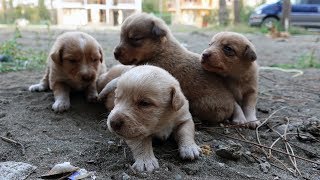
x=101 y=53
x=157 y=31
x=177 y=99
x=110 y=87
x=249 y=54
x=56 y=55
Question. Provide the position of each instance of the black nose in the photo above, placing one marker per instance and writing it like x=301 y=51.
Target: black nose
x=117 y=53
x=116 y=124
x=206 y=55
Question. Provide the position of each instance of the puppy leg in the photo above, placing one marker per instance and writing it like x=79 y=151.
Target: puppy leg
x=238 y=116
x=61 y=96
x=143 y=154
x=249 y=109
x=44 y=83
x=184 y=135
x=92 y=93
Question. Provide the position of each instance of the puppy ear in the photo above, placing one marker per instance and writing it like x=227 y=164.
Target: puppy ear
x=250 y=54
x=56 y=55
x=157 y=31
x=110 y=87
x=177 y=99
x=101 y=53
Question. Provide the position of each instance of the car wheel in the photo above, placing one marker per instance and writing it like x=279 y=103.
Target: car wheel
x=269 y=21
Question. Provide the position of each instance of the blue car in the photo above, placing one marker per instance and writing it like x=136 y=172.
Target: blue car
x=304 y=13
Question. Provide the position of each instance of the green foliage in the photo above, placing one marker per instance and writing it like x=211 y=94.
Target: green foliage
x=35 y=15
x=20 y=59
x=306 y=60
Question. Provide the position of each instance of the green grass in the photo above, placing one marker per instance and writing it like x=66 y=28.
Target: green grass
x=20 y=58
x=307 y=60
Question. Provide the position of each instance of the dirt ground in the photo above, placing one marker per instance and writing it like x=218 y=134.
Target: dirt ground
x=80 y=135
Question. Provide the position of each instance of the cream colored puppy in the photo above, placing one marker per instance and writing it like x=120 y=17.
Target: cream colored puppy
x=113 y=73
x=149 y=103
x=74 y=63
x=233 y=56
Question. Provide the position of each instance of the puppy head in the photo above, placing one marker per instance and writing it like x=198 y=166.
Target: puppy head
x=142 y=35
x=78 y=55
x=146 y=98
x=228 y=54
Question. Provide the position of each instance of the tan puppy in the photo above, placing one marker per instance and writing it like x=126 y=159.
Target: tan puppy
x=107 y=96
x=274 y=33
x=149 y=103
x=147 y=39
x=74 y=63
x=233 y=56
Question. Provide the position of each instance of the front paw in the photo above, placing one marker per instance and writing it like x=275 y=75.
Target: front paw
x=146 y=164
x=60 y=105
x=37 y=88
x=189 y=151
x=92 y=98
x=239 y=121
x=253 y=123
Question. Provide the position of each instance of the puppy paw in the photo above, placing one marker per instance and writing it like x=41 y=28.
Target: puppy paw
x=37 y=87
x=252 y=124
x=190 y=151
x=60 y=106
x=146 y=164
x=239 y=121
x=92 y=98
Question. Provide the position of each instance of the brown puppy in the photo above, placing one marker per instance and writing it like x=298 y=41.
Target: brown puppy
x=74 y=63
x=149 y=103
x=107 y=95
x=147 y=39
x=233 y=56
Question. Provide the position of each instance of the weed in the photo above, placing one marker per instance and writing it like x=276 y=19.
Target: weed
x=20 y=59
x=307 y=60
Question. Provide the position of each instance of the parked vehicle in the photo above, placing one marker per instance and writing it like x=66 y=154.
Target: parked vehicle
x=304 y=13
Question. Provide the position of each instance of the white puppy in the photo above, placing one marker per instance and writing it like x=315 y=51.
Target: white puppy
x=149 y=103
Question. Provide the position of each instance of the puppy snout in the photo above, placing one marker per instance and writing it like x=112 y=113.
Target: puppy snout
x=206 y=55
x=116 y=124
x=87 y=77
x=117 y=52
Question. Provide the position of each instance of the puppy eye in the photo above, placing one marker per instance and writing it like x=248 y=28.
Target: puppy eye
x=95 y=60
x=136 y=38
x=144 y=103
x=72 y=61
x=228 y=51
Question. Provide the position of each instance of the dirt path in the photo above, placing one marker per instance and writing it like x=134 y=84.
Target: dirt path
x=80 y=136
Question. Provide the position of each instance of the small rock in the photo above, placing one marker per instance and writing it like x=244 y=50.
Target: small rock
x=177 y=177
x=265 y=167
x=143 y=174
x=15 y=170
x=232 y=151
x=191 y=170
x=125 y=176
x=221 y=164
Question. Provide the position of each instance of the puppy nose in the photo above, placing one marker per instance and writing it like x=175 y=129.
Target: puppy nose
x=206 y=55
x=117 y=52
x=116 y=124
x=87 y=77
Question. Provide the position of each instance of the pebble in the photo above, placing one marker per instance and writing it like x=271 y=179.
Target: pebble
x=125 y=176
x=177 y=177
x=2 y=115
x=265 y=167
x=232 y=151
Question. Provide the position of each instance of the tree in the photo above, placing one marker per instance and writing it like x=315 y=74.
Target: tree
x=286 y=11
x=236 y=11
x=223 y=13
x=43 y=11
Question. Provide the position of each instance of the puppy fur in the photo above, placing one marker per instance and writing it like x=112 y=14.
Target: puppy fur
x=147 y=39
x=106 y=93
x=74 y=63
x=149 y=103
x=233 y=56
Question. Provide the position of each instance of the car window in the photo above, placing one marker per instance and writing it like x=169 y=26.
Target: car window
x=299 y=1
x=314 y=2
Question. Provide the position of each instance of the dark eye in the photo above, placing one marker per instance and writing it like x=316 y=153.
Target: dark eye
x=137 y=38
x=95 y=60
x=72 y=61
x=228 y=51
x=144 y=103
x=210 y=44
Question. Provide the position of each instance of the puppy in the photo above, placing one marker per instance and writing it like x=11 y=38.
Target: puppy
x=149 y=103
x=113 y=73
x=274 y=33
x=147 y=39
x=74 y=63
x=233 y=56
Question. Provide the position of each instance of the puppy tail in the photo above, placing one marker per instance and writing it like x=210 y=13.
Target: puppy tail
x=110 y=87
